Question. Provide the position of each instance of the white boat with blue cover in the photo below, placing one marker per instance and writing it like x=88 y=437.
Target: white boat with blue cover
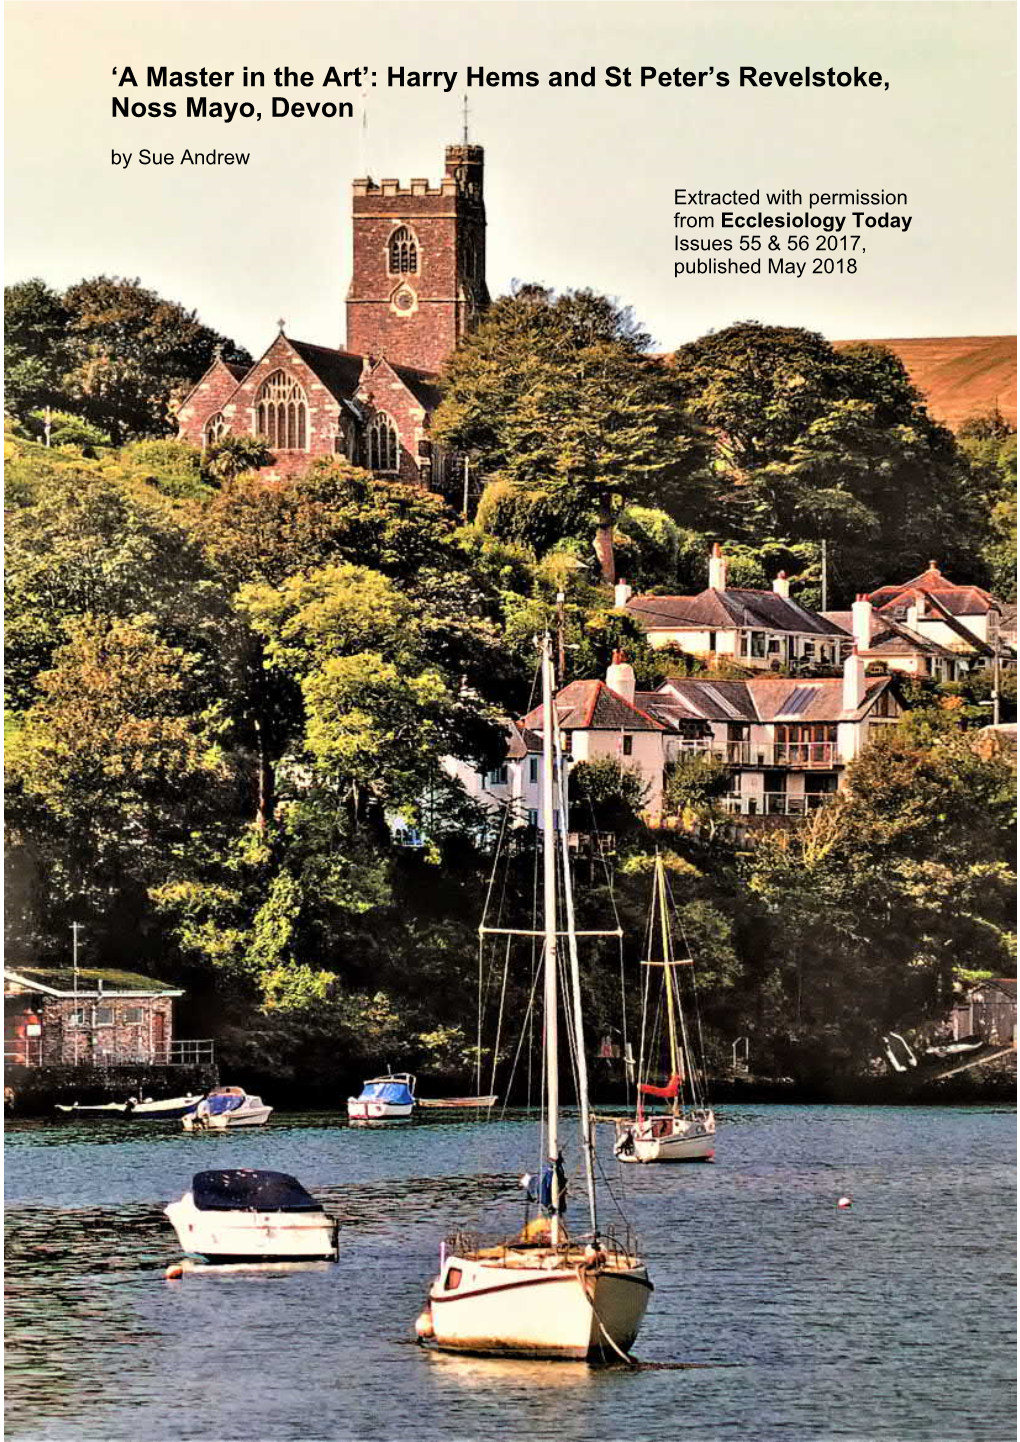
x=387 y=1098
x=223 y=1108
x=252 y=1216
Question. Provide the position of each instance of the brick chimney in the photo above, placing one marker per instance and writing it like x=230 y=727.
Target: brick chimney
x=622 y=594
x=853 y=681
x=863 y=617
x=717 y=569
x=781 y=586
x=620 y=677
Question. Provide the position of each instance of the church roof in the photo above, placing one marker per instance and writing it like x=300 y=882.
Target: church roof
x=722 y=610
x=339 y=370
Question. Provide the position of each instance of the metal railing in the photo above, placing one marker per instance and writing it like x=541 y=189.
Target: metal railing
x=775 y=803
x=177 y=1053
x=766 y=753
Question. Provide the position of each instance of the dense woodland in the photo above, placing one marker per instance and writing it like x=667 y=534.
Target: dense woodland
x=221 y=694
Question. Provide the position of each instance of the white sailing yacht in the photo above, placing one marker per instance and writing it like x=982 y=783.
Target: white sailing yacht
x=685 y=1131
x=546 y=1293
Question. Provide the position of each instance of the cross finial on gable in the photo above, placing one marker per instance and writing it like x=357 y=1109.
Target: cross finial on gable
x=218 y=351
x=281 y=323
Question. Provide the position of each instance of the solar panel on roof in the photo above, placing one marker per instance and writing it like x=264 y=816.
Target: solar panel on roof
x=797 y=702
x=720 y=700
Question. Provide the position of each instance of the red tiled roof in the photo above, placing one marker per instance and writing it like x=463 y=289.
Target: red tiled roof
x=591 y=706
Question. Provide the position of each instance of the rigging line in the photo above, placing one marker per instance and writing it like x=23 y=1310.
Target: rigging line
x=499 y=1020
x=697 y=1002
x=528 y=1018
x=691 y=1067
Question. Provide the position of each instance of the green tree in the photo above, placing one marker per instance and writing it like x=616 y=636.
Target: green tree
x=35 y=347
x=556 y=394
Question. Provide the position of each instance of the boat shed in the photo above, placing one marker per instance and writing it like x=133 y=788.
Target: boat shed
x=97 y=1017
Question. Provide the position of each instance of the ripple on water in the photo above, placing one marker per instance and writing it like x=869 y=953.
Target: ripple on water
x=793 y=1321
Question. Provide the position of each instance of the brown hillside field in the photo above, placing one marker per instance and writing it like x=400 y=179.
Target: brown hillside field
x=960 y=376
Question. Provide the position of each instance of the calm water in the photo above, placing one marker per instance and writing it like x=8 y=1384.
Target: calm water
x=793 y=1320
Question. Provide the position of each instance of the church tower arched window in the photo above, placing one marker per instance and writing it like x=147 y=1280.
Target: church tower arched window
x=403 y=252
x=215 y=429
x=281 y=413
x=383 y=444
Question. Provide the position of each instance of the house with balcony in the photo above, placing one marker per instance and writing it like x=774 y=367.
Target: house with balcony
x=763 y=630
x=90 y=1017
x=786 y=741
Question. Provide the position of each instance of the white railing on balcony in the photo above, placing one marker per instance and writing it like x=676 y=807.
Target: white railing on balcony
x=774 y=803
x=824 y=754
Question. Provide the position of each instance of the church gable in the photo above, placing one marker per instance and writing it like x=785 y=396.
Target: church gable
x=396 y=428
x=285 y=403
x=205 y=401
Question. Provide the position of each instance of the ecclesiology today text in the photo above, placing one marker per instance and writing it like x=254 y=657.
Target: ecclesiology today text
x=782 y=231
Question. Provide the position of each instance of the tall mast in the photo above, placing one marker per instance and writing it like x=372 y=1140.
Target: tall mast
x=550 y=979
x=587 y=1133
x=667 y=960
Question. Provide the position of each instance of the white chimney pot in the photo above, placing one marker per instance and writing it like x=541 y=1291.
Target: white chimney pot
x=623 y=594
x=781 y=586
x=717 y=569
x=620 y=677
x=853 y=681
x=863 y=618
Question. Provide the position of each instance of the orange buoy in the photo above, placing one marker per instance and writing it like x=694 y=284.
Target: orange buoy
x=844 y=1203
x=174 y=1272
x=423 y=1328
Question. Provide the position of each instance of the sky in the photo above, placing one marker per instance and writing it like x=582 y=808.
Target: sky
x=579 y=182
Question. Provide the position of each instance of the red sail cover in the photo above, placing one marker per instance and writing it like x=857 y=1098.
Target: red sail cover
x=672 y=1088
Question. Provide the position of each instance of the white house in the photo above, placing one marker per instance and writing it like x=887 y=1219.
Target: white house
x=898 y=645
x=786 y=740
x=597 y=719
x=760 y=629
x=964 y=620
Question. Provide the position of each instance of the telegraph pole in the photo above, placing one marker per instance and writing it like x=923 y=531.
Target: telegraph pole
x=825 y=575
x=75 y=928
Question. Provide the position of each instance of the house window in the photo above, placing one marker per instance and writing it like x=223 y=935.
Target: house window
x=403 y=252
x=807 y=650
x=758 y=643
x=78 y=1018
x=628 y=745
x=104 y=1016
x=281 y=413
x=383 y=445
x=133 y=1015
x=533 y=819
x=711 y=640
x=533 y=769
x=215 y=429
x=498 y=777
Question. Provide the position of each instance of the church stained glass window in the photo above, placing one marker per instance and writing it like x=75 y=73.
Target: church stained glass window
x=403 y=252
x=383 y=444
x=281 y=413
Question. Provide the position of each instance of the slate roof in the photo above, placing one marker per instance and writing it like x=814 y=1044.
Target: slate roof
x=890 y=638
x=339 y=370
x=736 y=606
x=767 y=699
x=591 y=706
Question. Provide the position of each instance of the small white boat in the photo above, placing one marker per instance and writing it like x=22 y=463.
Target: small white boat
x=383 y=1099
x=685 y=1131
x=252 y=1216
x=99 y=1109
x=456 y=1103
x=169 y=1109
x=226 y=1108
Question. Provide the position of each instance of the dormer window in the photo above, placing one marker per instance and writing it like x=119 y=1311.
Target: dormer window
x=281 y=413
x=403 y=252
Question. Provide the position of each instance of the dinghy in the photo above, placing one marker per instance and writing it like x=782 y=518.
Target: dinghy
x=252 y=1216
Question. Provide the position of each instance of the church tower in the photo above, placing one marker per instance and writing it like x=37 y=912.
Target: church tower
x=418 y=282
